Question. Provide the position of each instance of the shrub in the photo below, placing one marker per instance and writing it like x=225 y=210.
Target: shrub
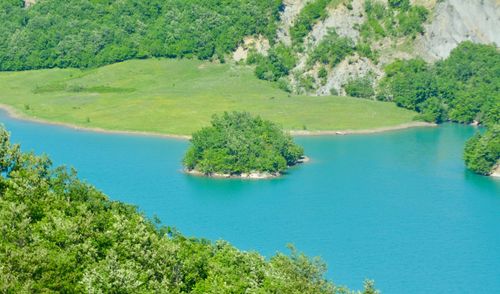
x=306 y=19
x=332 y=49
x=277 y=64
x=361 y=87
x=482 y=152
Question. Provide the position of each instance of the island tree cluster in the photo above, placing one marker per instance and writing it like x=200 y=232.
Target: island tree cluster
x=60 y=235
x=237 y=143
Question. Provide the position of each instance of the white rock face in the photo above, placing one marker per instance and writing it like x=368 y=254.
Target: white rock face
x=451 y=22
x=350 y=68
x=455 y=21
x=28 y=3
x=342 y=20
x=291 y=11
x=259 y=44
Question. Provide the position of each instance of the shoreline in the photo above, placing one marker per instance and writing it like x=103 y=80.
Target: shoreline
x=416 y=124
x=255 y=175
x=496 y=172
x=243 y=176
x=15 y=114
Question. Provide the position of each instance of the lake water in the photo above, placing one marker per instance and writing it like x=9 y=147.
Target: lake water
x=396 y=207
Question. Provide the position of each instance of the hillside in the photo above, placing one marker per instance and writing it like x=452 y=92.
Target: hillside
x=178 y=97
x=366 y=36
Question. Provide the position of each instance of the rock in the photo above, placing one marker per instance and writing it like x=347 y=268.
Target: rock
x=349 y=68
x=496 y=171
x=259 y=44
x=456 y=21
x=28 y=3
x=287 y=16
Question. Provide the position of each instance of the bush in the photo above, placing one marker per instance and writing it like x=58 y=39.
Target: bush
x=482 y=152
x=399 y=19
x=361 y=87
x=332 y=49
x=432 y=110
x=237 y=143
x=306 y=19
x=277 y=64
x=409 y=82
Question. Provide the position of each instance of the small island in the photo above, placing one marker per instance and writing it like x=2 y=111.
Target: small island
x=238 y=144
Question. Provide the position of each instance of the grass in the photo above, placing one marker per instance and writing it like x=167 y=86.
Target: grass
x=178 y=97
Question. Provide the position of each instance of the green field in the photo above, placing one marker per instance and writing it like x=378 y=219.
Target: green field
x=178 y=97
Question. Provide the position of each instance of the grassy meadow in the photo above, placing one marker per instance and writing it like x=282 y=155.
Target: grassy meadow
x=178 y=97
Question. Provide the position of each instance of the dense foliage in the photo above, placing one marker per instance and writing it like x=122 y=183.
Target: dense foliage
x=463 y=88
x=277 y=64
x=58 y=234
x=238 y=143
x=83 y=33
x=361 y=87
x=332 y=49
x=482 y=152
x=312 y=12
x=397 y=19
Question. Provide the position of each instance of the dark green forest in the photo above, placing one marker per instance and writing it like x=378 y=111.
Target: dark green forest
x=237 y=143
x=465 y=87
x=59 y=234
x=88 y=33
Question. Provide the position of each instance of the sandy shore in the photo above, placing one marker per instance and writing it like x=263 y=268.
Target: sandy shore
x=246 y=176
x=496 y=172
x=249 y=176
x=415 y=124
x=14 y=113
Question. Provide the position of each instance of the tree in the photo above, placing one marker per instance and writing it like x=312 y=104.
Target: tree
x=482 y=152
x=237 y=143
x=59 y=234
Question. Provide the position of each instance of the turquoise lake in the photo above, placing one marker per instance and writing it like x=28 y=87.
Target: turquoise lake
x=396 y=207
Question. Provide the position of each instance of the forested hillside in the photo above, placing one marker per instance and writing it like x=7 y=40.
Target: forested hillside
x=59 y=234
x=83 y=33
x=465 y=87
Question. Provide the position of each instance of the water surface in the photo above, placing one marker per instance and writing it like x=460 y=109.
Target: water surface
x=396 y=207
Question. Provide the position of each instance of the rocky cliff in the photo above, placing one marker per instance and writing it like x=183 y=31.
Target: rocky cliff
x=449 y=23
x=455 y=21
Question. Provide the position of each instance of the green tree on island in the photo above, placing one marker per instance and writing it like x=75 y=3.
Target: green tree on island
x=237 y=143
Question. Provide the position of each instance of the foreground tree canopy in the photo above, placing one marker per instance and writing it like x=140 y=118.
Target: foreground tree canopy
x=482 y=152
x=238 y=143
x=58 y=234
